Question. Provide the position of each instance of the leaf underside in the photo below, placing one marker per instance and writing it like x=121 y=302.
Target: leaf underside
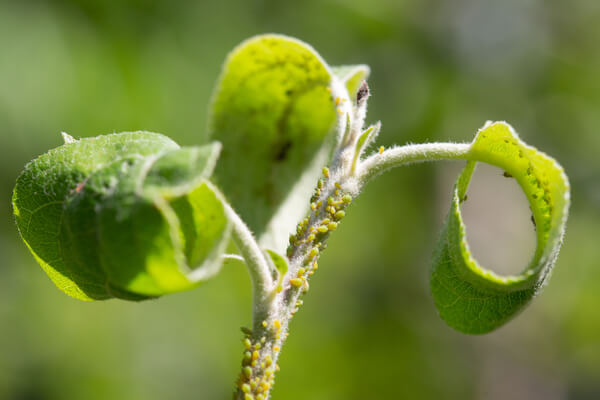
x=469 y=297
x=124 y=215
x=273 y=109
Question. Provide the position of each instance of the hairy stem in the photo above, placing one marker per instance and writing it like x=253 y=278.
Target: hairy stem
x=394 y=157
x=258 y=267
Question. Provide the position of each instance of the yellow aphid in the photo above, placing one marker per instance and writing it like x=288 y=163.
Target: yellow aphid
x=248 y=396
x=332 y=226
x=296 y=282
x=322 y=229
x=264 y=324
x=326 y=172
x=337 y=185
x=255 y=355
x=277 y=325
x=337 y=101
x=381 y=149
x=339 y=215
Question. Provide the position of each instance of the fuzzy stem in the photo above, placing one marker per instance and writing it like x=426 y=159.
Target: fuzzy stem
x=394 y=157
x=258 y=267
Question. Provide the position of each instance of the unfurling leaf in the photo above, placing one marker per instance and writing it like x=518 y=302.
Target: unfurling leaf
x=127 y=215
x=469 y=297
x=274 y=111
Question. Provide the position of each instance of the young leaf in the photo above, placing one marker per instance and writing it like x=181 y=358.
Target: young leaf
x=273 y=111
x=469 y=297
x=351 y=76
x=125 y=215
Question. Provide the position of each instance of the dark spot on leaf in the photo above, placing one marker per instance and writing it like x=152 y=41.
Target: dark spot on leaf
x=283 y=150
x=506 y=175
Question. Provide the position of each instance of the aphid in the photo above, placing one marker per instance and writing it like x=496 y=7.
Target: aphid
x=337 y=185
x=326 y=172
x=264 y=324
x=246 y=331
x=322 y=229
x=247 y=372
x=506 y=175
x=381 y=148
x=339 y=215
x=347 y=199
x=296 y=282
x=332 y=226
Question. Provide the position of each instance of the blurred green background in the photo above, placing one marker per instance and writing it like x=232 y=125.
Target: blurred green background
x=369 y=329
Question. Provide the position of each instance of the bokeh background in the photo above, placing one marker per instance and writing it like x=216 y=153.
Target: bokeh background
x=369 y=329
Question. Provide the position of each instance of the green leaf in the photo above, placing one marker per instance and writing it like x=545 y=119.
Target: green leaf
x=352 y=76
x=279 y=262
x=469 y=297
x=127 y=215
x=273 y=111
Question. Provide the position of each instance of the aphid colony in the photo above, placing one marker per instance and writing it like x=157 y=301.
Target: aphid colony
x=313 y=230
x=258 y=373
x=258 y=367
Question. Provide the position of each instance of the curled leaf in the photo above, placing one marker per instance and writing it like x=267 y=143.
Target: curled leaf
x=469 y=297
x=127 y=215
x=273 y=111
